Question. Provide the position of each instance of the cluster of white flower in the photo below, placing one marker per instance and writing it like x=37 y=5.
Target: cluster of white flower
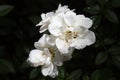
x=68 y=31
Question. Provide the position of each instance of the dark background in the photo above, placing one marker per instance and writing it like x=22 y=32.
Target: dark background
x=18 y=33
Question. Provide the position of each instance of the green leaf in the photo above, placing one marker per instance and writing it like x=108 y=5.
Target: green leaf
x=61 y=73
x=109 y=41
x=114 y=51
x=111 y=16
x=5 y=9
x=85 y=77
x=115 y=3
x=115 y=54
x=117 y=58
x=6 y=67
x=106 y=74
x=90 y=2
x=116 y=61
x=102 y=2
x=95 y=9
x=34 y=73
x=75 y=75
x=34 y=19
x=96 y=21
x=101 y=58
x=95 y=75
x=25 y=65
x=2 y=50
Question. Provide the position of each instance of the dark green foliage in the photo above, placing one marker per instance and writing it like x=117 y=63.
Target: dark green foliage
x=101 y=58
x=95 y=9
x=115 y=3
x=95 y=75
x=100 y=61
x=34 y=73
x=75 y=75
x=111 y=16
x=6 y=67
x=85 y=77
x=5 y=9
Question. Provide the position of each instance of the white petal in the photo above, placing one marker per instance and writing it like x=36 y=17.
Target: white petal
x=51 y=40
x=90 y=37
x=49 y=14
x=43 y=28
x=80 y=43
x=58 y=58
x=59 y=6
x=39 y=24
x=47 y=69
x=43 y=16
x=57 y=20
x=41 y=43
x=36 y=58
x=54 y=30
x=78 y=20
x=54 y=73
x=49 y=56
x=70 y=18
x=86 y=22
x=62 y=9
x=62 y=46
x=47 y=52
x=45 y=21
x=48 y=61
x=44 y=25
x=66 y=57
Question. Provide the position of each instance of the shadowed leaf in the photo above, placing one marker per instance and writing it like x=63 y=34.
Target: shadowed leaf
x=75 y=75
x=5 y=9
x=95 y=75
x=111 y=16
x=6 y=67
x=100 y=58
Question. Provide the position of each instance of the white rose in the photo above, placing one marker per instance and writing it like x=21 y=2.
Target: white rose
x=46 y=18
x=46 y=55
x=72 y=31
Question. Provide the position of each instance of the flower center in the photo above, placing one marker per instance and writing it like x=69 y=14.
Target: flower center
x=70 y=35
x=51 y=50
